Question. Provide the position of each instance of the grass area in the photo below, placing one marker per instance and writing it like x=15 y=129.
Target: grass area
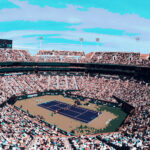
x=113 y=125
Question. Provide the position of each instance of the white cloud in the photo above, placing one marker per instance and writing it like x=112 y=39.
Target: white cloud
x=92 y=18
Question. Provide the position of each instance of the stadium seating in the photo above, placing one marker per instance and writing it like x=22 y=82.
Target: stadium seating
x=125 y=58
x=18 y=130
x=135 y=93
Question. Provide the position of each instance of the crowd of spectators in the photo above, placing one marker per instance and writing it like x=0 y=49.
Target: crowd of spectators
x=122 y=140
x=137 y=93
x=33 y=83
x=40 y=58
x=8 y=55
x=19 y=131
x=59 y=56
x=116 y=58
x=135 y=132
x=93 y=57
x=88 y=143
x=64 y=53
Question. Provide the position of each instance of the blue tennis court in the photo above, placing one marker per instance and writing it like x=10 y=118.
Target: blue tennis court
x=74 y=112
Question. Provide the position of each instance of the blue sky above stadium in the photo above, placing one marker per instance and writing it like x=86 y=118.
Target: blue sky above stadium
x=62 y=23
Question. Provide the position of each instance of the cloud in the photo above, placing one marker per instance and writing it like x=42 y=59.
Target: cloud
x=28 y=12
x=89 y=18
x=92 y=18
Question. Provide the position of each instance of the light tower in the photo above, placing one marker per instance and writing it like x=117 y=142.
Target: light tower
x=41 y=39
x=137 y=40
x=97 y=40
x=81 y=41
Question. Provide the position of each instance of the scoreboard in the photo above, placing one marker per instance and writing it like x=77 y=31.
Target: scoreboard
x=5 y=43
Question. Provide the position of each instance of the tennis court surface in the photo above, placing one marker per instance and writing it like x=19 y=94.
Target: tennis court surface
x=74 y=112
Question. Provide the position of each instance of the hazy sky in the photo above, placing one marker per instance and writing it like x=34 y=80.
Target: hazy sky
x=62 y=23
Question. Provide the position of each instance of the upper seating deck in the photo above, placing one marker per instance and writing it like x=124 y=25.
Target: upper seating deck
x=8 y=55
